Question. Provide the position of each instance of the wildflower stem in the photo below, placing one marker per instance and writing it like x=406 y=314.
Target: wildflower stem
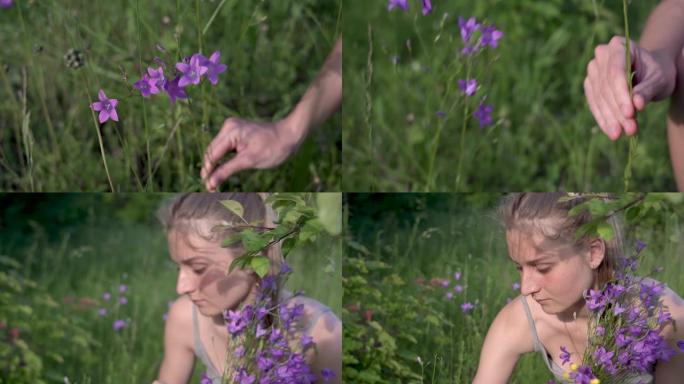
x=369 y=101
x=459 y=178
x=627 y=177
x=99 y=135
x=147 y=133
x=203 y=93
x=213 y=16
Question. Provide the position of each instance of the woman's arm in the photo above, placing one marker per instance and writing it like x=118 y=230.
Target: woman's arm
x=266 y=145
x=671 y=372
x=327 y=334
x=179 y=354
x=675 y=125
x=508 y=338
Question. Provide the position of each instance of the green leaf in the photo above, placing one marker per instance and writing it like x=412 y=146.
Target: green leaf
x=287 y=245
x=330 y=211
x=260 y=265
x=231 y=240
x=605 y=230
x=253 y=241
x=632 y=213
x=240 y=262
x=310 y=230
x=235 y=207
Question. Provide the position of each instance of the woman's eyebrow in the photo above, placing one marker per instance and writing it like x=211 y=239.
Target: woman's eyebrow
x=540 y=260
x=192 y=260
x=536 y=261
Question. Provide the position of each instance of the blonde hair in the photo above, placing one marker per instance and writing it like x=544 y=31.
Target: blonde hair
x=547 y=214
x=203 y=214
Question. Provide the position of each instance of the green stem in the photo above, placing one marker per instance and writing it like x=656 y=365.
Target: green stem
x=147 y=133
x=627 y=177
x=459 y=178
x=99 y=135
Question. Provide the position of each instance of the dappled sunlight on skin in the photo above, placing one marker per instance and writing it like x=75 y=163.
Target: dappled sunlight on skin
x=204 y=273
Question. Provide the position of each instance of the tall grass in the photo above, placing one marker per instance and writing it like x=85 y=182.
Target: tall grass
x=273 y=50
x=543 y=136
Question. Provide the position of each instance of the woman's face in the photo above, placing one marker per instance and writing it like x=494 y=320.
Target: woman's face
x=553 y=272
x=203 y=273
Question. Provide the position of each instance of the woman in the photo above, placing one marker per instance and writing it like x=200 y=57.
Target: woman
x=195 y=326
x=555 y=270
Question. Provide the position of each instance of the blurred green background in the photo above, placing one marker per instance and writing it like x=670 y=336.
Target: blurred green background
x=75 y=247
x=48 y=139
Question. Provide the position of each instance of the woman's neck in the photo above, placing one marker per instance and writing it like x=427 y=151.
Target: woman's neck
x=218 y=319
x=577 y=311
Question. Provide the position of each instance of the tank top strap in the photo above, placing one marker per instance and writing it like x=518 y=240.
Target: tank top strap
x=538 y=346
x=199 y=349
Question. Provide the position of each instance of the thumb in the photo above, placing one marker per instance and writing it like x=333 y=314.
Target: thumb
x=238 y=163
x=642 y=94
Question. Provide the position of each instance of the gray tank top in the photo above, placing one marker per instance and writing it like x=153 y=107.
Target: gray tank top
x=318 y=310
x=557 y=370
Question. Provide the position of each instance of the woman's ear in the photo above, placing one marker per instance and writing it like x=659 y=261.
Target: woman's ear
x=597 y=252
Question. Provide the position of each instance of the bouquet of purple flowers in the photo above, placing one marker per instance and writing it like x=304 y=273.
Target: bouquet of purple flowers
x=626 y=319
x=266 y=342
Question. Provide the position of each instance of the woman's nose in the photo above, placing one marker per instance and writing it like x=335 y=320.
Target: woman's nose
x=185 y=283
x=528 y=284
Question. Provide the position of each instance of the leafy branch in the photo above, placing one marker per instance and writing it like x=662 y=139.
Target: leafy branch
x=299 y=219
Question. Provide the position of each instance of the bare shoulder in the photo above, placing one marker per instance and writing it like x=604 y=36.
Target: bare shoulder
x=179 y=351
x=675 y=306
x=670 y=372
x=516 y=328
x=180 y=316
x=508 y=337
x=326 y=331
x=321 y=316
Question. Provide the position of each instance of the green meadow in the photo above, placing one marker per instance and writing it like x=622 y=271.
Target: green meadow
x=403 y=125
x=50 y=140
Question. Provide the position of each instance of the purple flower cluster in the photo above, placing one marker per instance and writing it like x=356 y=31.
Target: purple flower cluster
x=583 y=375
x=483 y=114
x=403 y=4
x=489 y=35
x=466 y=306
x=632 y=309
x=118 y=324
x=5 y=3
x=188 y=72
x=269 y=356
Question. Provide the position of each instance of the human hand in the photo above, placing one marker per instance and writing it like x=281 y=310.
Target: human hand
x=606 y=86
x=257 y=145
